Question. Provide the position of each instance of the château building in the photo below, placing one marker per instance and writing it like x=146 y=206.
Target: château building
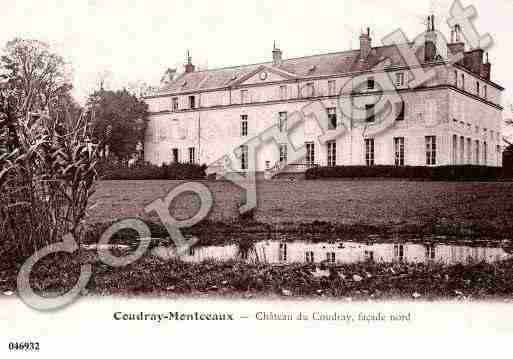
x=453 y=117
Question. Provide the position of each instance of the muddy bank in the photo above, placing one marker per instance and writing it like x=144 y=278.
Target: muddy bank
x=152 y=276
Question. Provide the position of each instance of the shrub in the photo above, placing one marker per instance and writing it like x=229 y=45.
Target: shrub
x=148 y=171
x=441 y=173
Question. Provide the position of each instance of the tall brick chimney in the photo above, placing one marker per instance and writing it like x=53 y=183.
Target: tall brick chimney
x=189 y=67
x=277 y=55
x=430 y=40
x=365 y=45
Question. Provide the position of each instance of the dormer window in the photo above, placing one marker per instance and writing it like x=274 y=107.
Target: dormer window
x=399 y=79
x=312 y=68
x=370 y=83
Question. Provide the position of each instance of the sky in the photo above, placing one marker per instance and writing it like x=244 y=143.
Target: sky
x=137 y=40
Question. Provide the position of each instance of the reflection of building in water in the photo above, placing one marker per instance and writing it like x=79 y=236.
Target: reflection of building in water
x=350 y=252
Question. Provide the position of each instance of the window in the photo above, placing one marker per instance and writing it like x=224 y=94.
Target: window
x=430 y=252
x=283 y=92
x=310 y=154
x=476 y=153
x=332 y=118
x=369 y=151
x=282 y=121
x=455 y=78
x=243 y=96
x=431 y=150
x=332 y=153
x=244 y=157
x=330 y=257
x=454 y=158
x=399 y=79
x=469 y=151
x=462 y=150
x=369 y=109
x=283 y=252
x=486 y=92
x=191 y=251
x=369 y=256
x=309 y=257
x=370 y=83
x=477 y=88
x=477 y=129
x=192 y=155
x=399 y=151
x=399 y=110
x=192 y=102
x=463 y=81
x=310 y=89
x=485 y=153
x=244 y=125
x=283 y=153
x=399 y=252
x=175 y=158
x=174 y=103
x=331 y=88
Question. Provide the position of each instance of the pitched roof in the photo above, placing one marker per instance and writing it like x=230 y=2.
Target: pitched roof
x=309 y=66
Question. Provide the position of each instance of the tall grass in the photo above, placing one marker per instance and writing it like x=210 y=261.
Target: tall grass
x=45 y=184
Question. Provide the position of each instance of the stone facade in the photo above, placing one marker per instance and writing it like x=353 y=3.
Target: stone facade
x=205 y=115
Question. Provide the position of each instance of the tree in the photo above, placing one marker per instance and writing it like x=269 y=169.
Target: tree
x=118 y=121
x=33 y=79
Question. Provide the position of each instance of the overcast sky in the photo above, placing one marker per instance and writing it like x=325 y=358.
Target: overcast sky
x=137 y=40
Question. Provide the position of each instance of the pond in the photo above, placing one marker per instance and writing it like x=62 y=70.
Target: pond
x=281 y=252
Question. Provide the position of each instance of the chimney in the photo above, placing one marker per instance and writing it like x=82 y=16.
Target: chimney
x=189 y=67
x=457 y=46
x=430 y=40
x=486 y=69
x=277 y=55
x=473 y=60
x=365 y=45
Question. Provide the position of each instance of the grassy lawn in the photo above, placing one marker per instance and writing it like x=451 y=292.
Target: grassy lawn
x=464 y=205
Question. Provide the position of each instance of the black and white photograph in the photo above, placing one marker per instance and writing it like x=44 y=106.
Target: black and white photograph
x=256 y=178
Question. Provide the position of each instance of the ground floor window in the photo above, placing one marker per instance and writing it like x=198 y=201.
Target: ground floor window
x=399 y=151
x=244 y=157
x=309 y=257
x=462 y=150
x=192 y=155
x=454 y=149
x=469 y=150
x=369 y=151
x=175 y=158
x=476 y=153
x=283 y=252
x=310 y=154
x=332 y=153
x=431 y=150
x=485 y=153
x=430 y=252
x=330 y=257
x=399 y=252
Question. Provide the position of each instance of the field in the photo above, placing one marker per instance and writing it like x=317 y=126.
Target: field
x=466 y=206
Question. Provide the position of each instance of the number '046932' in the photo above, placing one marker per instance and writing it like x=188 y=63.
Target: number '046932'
x=24 y=346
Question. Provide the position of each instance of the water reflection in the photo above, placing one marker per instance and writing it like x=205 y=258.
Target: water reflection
x=276 y=252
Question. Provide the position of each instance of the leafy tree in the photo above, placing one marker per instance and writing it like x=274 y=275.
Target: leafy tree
x=118 y=121
x=33 y=79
